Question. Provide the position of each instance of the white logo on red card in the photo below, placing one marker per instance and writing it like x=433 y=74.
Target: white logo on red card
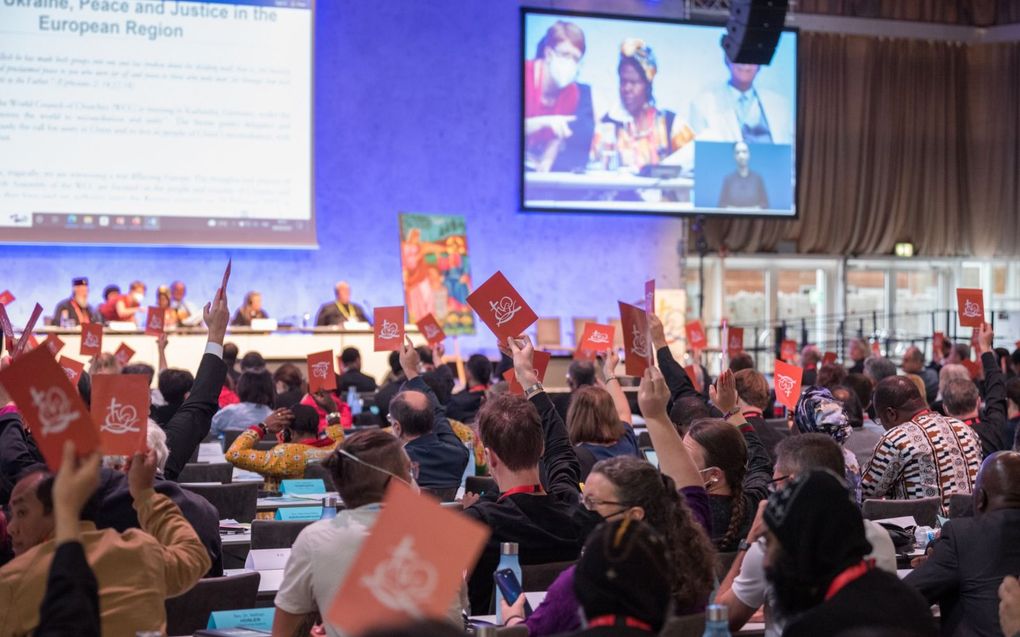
x=504 y=310
x=785 y=384
x=320 y=369
x=120 y=418
x=598 y=337
x=404 y=581
x=91 y=340
x=389 y=330
x=156 y=322
x=971 y=309
x=640 y=342
x=70 y=373
x=735 y=342
x=431 y=331
x=55 y=412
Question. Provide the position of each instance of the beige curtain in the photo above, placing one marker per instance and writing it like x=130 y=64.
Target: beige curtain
x=965 y=12
x=899 y=140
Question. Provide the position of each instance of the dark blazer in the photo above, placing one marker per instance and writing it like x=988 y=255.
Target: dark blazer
x=18 y=452
x=71 y=603
x=993 y=427
x=354 y=378
x=464 y=405
x=968 y=562
x=190 y=423
x=440 y=455
x=329 y=314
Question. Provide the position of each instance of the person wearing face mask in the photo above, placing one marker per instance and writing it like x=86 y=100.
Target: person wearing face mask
x=131 y=304
x=743 y=188
x=558 y=115
x=76 y=310
x=739 y=111
x=673 y=503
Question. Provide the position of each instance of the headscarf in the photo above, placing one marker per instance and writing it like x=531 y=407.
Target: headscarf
x=818 y=412
x=635 y=50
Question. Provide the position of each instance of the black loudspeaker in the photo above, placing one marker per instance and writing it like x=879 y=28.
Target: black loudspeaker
x=753 y=30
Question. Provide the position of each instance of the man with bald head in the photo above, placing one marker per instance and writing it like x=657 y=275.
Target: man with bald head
x=972 y=555
x=31 y=520
x=922 y=454
x=419 y=421
x=340 y=310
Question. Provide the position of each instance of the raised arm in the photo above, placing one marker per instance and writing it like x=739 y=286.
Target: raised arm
x=190 y=423
x=612 y=385
x=409 y=362
x=680 y=385
x=995 y=415
x=161 y=343
x=243 y=454
x=674 y=461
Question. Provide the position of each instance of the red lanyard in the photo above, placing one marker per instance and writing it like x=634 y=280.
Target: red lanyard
x=476 y=388
x=751 y=414
x=854 y=572
x=923 y=412
x=82 y=320
x=534 y=489
x=619 y=620
x=970 y=422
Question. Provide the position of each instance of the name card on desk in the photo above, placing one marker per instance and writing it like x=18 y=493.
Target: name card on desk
x=266 y=559
x=302 y=514
x=256 y=618
x=302 y=487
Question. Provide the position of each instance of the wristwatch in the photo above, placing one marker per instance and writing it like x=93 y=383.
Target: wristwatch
x=744 y=545
x=533 y=389
x=333 y=418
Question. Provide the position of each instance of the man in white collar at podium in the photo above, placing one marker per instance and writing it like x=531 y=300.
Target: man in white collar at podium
x=341 y=310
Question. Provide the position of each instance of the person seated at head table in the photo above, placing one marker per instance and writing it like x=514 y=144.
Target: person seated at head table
x=599 y=420
x=252 y=309
x=638 y=132
x=297 y=429
x=740 y=111
x=745 y=589
x=75 y=310
x=362 y=468
x=163 y=301
x=108 y=308
x=136 y=569
x=626 y=488
x=187 y=313
x=340 y=310
x=815 y=563
x=130 y=305
x=350 y=373
x=558 y=115
x=743 y=188
x=255 y=391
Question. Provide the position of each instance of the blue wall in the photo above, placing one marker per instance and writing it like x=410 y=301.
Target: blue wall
x=417 y=110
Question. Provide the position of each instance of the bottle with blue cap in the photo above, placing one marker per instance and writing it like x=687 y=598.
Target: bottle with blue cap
x=507 y=559
x=716 y=621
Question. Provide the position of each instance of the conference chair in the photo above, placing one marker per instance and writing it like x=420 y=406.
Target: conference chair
x=923 y=510
x=194 y=455
x=578 y=323
x=448 y=494
x=547 y=333
x=315 y=470
x=644 y=440
x=229 y=436
x=276 y=534
x=235 y=501
x=221 y=472
x=539 y=577
x=684 y=626
x=189 y=612
x=961 y=505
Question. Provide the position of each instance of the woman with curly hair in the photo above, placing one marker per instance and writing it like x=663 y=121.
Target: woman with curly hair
x=673 y=502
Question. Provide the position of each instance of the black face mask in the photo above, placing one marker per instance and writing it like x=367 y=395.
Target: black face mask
x=794 y=594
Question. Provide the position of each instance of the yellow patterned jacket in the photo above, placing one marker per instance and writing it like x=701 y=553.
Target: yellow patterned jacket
x=286 y=460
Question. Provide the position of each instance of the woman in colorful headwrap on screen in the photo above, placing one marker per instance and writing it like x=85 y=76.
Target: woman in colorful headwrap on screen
x=558 y=116
x=642 y=134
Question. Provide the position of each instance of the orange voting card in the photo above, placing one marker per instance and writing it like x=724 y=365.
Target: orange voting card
x=696 y=339
x=596 y=337
x=431 y=329
x=120 y=407
x=501 y=307
x=970 y=303
x=787 y=384
x=637 y=345
x=735 y=340
x=50 y=405
x=124 y=354
x=72 y=368
x=389 y=328
x=91 y=339
x=410 y=567
x=155 y=321
x=54 y=343
x=788 y=350
x=320 y=372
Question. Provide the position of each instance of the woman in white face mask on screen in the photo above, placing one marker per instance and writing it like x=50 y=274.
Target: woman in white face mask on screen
x=558 y=115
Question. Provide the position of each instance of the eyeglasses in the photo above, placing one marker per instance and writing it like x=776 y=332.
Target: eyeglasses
x=590 y=503
x=776 y=483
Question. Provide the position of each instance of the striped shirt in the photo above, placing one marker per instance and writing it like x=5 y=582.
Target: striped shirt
x=928 y=456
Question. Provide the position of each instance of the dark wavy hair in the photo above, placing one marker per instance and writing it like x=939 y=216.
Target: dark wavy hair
x=726 y=449
x=638 y=483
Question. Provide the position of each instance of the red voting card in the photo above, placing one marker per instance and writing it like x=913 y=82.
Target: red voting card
x=696 y=339
x=876 y=348
x=226 y=279
x=32 y=342
x=6 y=298
x=650 y=297
x=787 y=384
x=26 y=335
x=970 y=303
x=431 y=329
x=124 y=354
x=50 y=405
x=54 y=344
x=937 y=342
x=692 y=373
x=828 y=357
x=735 y=340
x=155 y=321
x=410 y=567
x=596 y=337
x=540 y=361
x=973 y=368
x=389 y=328
x=120 y=407
x=91 y=339
x=788 y=350
x=637 y=345
x=501 y=307
x=7 y=328
x=72 y=368
x=320 y=372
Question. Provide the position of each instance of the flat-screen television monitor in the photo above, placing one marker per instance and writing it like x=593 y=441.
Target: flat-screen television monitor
x=150 y=122
x=631 y=115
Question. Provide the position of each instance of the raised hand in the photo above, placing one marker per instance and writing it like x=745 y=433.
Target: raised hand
x=280 y=419
x=653 y=395
x=985 y=338
x=658 y=332
x=724 y=392
x=217 y=316
x=610 y=361
x=409 y=359
x=523 y=352
x=141 y=470
x=74 y=485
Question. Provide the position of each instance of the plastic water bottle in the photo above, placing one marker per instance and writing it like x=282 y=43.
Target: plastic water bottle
x=507 y=559
x=716 y=622
x=328 y=508
x=353 y=400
